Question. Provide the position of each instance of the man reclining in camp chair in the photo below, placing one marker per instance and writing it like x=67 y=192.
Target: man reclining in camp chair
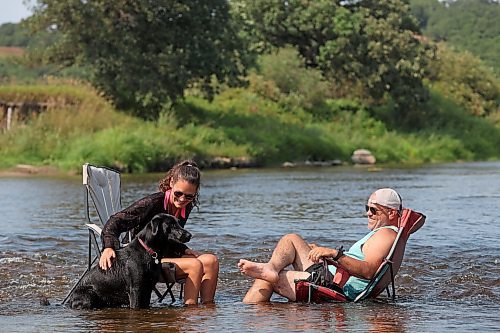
x=361 y=261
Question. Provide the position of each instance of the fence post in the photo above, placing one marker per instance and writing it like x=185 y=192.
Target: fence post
x=9 y=117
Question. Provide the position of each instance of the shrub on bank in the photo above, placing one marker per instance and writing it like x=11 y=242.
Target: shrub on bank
x=238 y=123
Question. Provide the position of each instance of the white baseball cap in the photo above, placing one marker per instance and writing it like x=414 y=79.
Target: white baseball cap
x=387 y=197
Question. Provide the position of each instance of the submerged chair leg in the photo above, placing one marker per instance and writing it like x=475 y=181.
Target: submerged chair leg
x=76 y=283
x=168 y=273
x=90 y=263
x=309 y=292
x=393 y=284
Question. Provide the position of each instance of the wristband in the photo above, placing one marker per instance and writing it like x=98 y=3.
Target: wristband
x=340 y=253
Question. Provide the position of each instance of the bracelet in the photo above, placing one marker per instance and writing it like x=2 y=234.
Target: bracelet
x=340 y=253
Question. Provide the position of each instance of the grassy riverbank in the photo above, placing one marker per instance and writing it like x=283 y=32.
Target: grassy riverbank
x=238 y=127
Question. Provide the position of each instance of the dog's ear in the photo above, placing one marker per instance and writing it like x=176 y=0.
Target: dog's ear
x=155 y=224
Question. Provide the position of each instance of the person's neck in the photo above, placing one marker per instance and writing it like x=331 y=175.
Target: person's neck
x=171 y=209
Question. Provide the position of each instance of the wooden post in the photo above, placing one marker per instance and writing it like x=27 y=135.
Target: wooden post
x=9 y=117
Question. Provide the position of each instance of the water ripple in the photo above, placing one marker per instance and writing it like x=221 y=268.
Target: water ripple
x=450 y=265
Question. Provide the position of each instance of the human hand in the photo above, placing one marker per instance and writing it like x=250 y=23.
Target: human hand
x=319 y=252
x=191 y=252
x=106 y=258
x=312 y=245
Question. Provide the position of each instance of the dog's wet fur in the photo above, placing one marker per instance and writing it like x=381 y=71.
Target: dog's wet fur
x=133 y=272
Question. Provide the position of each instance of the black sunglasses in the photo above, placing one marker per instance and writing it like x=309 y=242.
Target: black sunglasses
x=179 y=194
x=372 y=210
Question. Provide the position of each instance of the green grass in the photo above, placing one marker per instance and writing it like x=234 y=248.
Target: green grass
x=80 y=126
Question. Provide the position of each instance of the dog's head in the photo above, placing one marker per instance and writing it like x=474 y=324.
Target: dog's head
x=164 y=228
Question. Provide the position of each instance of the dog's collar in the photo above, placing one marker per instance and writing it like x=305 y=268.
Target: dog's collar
x=150 y=250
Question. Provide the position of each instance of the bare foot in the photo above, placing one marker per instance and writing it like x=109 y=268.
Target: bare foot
x=258 y=270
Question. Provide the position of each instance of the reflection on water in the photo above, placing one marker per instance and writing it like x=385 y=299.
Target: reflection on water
x=450 y=278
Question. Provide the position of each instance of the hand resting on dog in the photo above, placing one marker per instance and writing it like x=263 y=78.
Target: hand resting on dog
x=134 y=273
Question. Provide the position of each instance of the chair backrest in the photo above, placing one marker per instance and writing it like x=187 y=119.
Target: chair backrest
x=409 y=223
x=104 y=187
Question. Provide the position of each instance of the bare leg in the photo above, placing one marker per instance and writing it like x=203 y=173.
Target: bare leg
x=192 y=270
x=286 y=284
x=261 y=291
x=290 y=250
x=209 y=280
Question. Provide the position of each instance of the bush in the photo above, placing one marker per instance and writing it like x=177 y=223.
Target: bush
x=282 y=77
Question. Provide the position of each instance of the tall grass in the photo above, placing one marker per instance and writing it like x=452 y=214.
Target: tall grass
x=80 y=126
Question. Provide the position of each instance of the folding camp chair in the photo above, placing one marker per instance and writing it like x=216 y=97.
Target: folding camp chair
x=104 y=187
x=410 y=222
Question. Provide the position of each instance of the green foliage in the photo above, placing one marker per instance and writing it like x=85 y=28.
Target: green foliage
x=11 y=69
x=469 y=25
x=370 y=44
x=144 y=53
x=81 y=127
x=463 y=78
x=283 y=78
x=275 y=134
x=58 y=93
x=479 y=137
x=12 y=34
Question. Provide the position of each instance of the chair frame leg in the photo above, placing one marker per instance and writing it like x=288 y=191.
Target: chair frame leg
x=92 y=242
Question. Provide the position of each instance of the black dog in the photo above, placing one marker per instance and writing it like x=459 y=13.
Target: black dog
x=135 y=270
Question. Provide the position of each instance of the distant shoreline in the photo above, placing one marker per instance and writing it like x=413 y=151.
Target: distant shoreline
x=26 y=170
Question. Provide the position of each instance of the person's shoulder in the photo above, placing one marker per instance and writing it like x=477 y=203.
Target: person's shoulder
x=380 y=241
x=153 y=195
x=157 y=195
x=150 y=198
x=384 y=234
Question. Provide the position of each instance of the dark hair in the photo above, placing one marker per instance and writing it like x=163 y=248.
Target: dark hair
x=186 y=170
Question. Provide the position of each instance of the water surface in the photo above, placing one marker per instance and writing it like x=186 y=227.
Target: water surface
x=450 y=278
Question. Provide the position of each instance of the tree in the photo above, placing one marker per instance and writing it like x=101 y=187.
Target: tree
x=12 y=34
x=467 y=81
x=372 y=43
x=468 y=25
x=141 y=53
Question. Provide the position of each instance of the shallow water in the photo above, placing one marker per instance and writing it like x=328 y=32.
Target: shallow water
x=450 y=279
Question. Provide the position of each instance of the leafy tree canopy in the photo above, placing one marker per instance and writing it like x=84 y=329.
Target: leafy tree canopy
x=370 y=42
x=464 y=78
x=143 y=53
x=469 y=25
x=12 y=35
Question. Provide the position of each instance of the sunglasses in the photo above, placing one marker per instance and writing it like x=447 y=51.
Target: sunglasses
x=372 y=210
x=179 y=194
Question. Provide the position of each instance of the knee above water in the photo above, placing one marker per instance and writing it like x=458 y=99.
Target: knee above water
x=197 y=265
x=210 y=260
x=292 y=236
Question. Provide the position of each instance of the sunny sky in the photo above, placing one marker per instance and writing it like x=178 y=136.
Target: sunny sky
x=13 y=10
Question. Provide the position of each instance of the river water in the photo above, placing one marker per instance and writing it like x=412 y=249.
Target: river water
x=450 y=279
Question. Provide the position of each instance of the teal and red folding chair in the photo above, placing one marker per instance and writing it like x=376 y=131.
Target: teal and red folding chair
x=332 y=291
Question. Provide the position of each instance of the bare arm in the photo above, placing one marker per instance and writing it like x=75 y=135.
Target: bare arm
x=375 y=250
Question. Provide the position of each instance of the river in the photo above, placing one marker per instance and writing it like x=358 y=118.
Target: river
x=450 y=278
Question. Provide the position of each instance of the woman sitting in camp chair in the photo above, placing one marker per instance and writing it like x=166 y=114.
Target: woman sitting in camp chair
x=178 y=194
x=361 y=261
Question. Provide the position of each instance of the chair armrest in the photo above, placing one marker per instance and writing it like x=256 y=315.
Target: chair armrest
x=341 y=276
x=330 y=261
x=95 y=228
